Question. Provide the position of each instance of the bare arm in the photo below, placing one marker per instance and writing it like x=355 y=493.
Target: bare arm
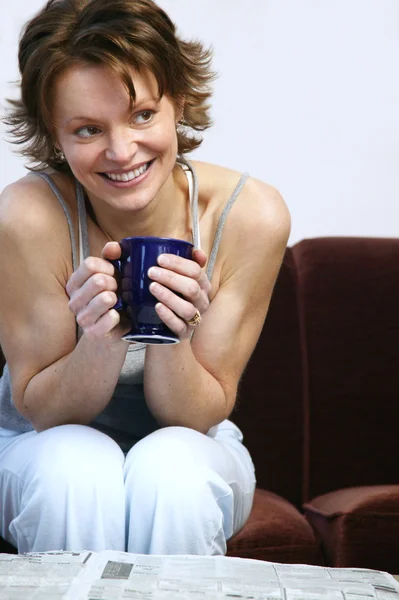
x=195 y=384
x=54 y=380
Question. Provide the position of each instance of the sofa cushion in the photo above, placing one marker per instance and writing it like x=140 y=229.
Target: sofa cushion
x=359 y=527
x=269 y=408
x=275 y=531
x=348 y=296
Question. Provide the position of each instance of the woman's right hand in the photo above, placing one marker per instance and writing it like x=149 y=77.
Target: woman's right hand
x=92 y=295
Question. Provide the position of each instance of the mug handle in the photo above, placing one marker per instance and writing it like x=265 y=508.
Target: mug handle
x=118 y=268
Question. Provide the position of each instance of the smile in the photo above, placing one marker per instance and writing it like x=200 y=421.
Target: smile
x=129 y=175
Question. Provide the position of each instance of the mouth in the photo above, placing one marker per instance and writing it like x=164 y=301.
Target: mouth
x=128 y=176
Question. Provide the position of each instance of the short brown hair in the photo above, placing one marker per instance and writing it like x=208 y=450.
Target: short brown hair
x=116 y=33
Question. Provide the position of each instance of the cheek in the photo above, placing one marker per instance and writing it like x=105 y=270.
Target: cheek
x=165 y=138
x=84 y=155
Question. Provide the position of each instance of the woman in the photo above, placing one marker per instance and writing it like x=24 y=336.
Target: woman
x=105 y=445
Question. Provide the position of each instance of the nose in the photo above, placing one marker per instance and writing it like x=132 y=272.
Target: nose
x=121 y=147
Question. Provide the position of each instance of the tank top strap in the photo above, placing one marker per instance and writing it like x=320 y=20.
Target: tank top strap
x=221 y=223
x=191 y=175
x=56 y=191
x=193 y=191
x=83 y=232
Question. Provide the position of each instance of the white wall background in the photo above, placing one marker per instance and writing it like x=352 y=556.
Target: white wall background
x=307 y=99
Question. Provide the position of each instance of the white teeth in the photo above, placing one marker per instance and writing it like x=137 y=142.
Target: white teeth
x=128 y=176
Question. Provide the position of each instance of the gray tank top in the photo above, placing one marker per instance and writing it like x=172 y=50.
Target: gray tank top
x=126 y=418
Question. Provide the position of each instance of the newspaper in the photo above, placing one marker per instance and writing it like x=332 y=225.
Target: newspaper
x=125 y=576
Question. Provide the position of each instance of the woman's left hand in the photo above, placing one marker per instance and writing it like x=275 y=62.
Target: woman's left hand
x=186 y=277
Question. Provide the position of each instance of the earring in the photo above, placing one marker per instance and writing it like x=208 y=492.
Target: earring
x=59 y=155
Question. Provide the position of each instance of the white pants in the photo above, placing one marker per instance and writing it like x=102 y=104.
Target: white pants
x=176 y=492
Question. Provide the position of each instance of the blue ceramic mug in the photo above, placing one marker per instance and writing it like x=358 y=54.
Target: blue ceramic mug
x=134 y=296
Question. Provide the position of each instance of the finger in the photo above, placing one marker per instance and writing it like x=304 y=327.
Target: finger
x=190 y=287
x=187 y=267
x=180 y=284
x=181 y=265
x=183 y=309
x=200 y=257
x=95 y=285
x=87 y=269
x=104 y=327
x=204 y=283
x=171 y=320
x=111 y=251
x=96 y=308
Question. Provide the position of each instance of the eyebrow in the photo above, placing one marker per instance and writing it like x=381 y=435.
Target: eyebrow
x=82 y=118
x=136 y=106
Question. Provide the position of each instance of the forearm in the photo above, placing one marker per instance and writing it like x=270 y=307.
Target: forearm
x=180 y=391
x=77 y=387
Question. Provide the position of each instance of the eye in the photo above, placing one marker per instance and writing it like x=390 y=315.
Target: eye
x=143 y=117
x=88 y=131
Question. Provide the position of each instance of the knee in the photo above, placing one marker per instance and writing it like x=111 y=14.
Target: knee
x=74 y=455
x=162 y=466
x=162 y=455
x=176 y=502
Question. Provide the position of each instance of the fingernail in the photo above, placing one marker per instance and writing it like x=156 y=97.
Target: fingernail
x=153 y=272
x=163 y=260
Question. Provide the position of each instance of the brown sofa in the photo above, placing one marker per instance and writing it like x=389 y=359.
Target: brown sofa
x=319 y=408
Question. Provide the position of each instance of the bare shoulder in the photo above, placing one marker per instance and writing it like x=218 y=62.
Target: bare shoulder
x=259 y=215
x=32 y=219
x=29 y=200
x=263 y=210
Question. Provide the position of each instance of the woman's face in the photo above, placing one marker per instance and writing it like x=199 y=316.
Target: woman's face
x=122 y=155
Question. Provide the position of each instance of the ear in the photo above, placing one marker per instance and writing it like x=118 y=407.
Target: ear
x=56 y=143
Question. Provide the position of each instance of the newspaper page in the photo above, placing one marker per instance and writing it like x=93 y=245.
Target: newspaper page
x=39 y=575
x=125 y=576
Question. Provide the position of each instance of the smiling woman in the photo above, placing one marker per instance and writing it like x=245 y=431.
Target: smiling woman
x=121 y=35
x=105 y=445
x=119 y=143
